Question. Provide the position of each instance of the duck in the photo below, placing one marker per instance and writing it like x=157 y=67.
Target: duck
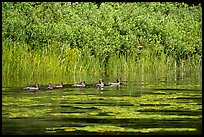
x=49 y=86
x=100 y=83
x=59 y=86
x=35 y=87
x=81 y=84
x=117 y=83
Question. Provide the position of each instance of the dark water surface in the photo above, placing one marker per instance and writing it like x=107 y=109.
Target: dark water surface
x=136 y=107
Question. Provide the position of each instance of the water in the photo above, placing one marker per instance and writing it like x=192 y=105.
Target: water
x=146 y=105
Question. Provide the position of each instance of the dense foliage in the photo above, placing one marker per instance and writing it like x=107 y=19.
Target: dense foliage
x=68 y=33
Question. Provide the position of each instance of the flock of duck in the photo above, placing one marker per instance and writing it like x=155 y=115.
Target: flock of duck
x=81 y=84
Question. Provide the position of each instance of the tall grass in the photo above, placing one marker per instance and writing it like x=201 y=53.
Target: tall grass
x=23 y=67
x=44 y=66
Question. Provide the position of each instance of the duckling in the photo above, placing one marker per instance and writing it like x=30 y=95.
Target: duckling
x=81 y=84
x=49 y=87
x=36 y=87
x=58 y=86
x=100 y=83
x=117 y=83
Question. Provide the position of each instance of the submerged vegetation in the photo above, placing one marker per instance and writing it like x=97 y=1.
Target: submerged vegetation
x=109 y=111
x=58 y=39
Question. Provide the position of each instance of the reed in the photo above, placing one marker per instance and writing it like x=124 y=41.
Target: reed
x=46 y=67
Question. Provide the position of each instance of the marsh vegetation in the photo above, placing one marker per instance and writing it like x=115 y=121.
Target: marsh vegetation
x=45 y=41
x=155 y=48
